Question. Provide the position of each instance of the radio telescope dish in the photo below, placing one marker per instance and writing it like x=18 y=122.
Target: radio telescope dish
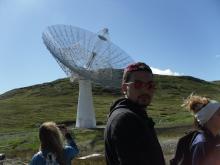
x=86 y=57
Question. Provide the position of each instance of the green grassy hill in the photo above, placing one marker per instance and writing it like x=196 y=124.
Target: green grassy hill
x=216 y=82
x=23 y=110
x=28 y=107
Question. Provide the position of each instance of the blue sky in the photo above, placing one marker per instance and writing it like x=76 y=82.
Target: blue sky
x=172 y=36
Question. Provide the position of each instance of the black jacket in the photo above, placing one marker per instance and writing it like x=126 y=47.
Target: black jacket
x=130 y=138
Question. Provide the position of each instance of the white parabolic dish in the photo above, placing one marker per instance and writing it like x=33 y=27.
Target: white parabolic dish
x=87 y=57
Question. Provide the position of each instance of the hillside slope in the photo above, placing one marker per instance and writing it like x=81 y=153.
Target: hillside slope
x=216 y=82
x=26 y=108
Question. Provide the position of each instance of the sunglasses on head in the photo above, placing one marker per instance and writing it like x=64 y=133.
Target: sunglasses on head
x=140 y=84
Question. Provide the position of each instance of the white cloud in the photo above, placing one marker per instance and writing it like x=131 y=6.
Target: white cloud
x=217 y=56
x=165 y=72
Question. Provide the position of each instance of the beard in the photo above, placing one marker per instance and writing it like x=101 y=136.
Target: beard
x=144 y=100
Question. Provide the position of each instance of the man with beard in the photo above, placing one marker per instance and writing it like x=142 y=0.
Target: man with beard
x=130 y=138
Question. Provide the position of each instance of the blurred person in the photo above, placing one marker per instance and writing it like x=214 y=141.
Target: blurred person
x=130 y=137
x=205 y=147
x=53 y=151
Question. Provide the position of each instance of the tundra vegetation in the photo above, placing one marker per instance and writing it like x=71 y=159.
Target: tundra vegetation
x=23 y=110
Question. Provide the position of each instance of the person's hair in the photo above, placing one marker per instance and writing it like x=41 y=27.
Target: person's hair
x=52 y=140
x=130 y=69
x=61 y=126
x=194 y=104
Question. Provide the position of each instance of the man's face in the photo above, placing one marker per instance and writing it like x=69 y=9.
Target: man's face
x=140 y=88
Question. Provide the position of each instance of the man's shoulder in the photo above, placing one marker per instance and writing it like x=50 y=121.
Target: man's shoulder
x=120 y=107
x=122 y=112
x=122 y=117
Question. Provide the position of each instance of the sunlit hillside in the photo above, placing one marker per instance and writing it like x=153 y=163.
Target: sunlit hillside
x=23 y=110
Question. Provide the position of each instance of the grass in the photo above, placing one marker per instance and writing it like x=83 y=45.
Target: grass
x=23 y=110
x=24 y=145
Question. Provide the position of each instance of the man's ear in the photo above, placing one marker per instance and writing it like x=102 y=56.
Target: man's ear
x=124 y=88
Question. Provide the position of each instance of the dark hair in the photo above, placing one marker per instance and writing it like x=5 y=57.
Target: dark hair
x=61 y=126
x=130 y=69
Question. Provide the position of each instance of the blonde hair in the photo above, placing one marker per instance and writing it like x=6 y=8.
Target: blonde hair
x=52 y=140
x=195 y=103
